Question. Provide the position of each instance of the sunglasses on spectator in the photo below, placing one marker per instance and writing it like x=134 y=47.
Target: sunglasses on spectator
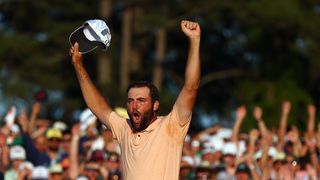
x=55 y=139
x=90 y=169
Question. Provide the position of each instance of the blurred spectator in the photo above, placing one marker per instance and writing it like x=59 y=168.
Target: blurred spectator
x=113 y=165
x=17 y=156
x=243 y=172
x=110 y=143
x=40 y=173
x=204 y=173
x=45 y=158
x=53 y=151
x=56 y=172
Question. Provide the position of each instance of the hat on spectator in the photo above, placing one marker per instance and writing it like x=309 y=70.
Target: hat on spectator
x=208 y=150
x=60 y=125
x=122 y=112
x=40 y=172
x=272 y=152
x=82 y=178
x=54 y=133
x=97 y=144
x=17 y=152
x=224 y=133
x=56 y=169
x=243 y=167
x=26 y=164
x=187 y=161
x=279 y=156
x=229 y=148
x=223 y=175
x=214 y=142
x=86 y=119
x=98 y=155
x=92 y=34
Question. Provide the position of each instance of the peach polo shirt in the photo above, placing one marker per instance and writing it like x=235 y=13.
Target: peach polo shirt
x=154 y=153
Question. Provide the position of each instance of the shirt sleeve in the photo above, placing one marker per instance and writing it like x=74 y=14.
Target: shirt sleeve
x=117 y=125
x=182 y=121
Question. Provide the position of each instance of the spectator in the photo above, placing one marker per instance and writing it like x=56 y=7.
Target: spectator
x=51 y=156
x=17 y=156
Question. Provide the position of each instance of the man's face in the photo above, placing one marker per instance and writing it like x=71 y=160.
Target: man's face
x=242 y=176
x=54 y=144
x=140 y=108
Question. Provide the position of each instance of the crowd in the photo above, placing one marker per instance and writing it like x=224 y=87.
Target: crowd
x=33 y=148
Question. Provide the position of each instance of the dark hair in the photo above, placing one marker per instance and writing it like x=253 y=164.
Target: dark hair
x=154 y=92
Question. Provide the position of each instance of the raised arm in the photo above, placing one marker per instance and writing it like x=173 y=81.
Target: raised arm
x=240 y=115
x=92 y=96
x=36 y=108
x=257 y=114
x=311 y=121
x=74 y=162
x=286 y=107
x=187 y=96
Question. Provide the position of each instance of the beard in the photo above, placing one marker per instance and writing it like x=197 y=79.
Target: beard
x=146 y=119
x=54 y=148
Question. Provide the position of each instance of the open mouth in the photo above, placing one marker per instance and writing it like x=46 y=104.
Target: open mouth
x=136 y=115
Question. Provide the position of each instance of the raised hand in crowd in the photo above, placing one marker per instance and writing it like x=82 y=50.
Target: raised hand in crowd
x=23 y=120
x=241 y=113
x=74 y=161
x=285 y=110
x=257 y=114
x=311 y=121
x=294 y=137
x=36 y=108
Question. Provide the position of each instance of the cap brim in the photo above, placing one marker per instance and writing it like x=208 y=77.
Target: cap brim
x=85 y=45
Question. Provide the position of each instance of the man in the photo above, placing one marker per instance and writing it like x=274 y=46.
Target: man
x=151 y=145
x=47 y=156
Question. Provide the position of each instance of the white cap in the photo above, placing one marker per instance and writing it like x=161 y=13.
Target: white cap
x=86 y=118
x=208 y=150
x=17 y=152
x=60 y=125
x=40 y=172
x=272 y=152
x=224 y=133
x=215 y=141
x=56 y=168
x=90 y=35
x=279 y=156
x=97 y=144
x=82 y=178
x=188 y=159
x=229 y=148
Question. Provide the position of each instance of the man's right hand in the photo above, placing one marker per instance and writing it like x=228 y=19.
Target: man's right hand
x=76 y=55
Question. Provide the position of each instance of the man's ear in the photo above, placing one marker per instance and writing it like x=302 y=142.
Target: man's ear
x=156 y=105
